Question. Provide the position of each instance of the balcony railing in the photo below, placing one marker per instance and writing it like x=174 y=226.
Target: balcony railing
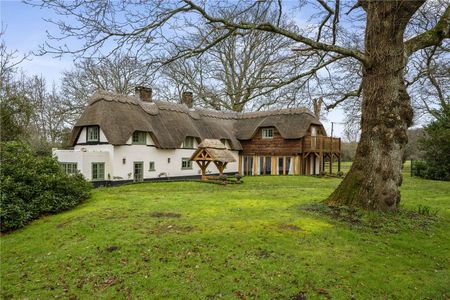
x=321 y=144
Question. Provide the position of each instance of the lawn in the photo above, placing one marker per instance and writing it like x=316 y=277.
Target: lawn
x=190 y=240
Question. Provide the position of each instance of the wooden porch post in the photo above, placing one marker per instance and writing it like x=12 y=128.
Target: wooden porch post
x=339 y=156
x=201 y=164
x=321 y=162
x=308 y=165
x=264 y=165
x=339 y=163
x=240 y=165
x=274 y=165
x=331 y=155
x=295 y=166
x=302 y=165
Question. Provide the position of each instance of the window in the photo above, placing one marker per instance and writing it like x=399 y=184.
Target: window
x=224 y=141
x=280 y=165
x=69 y=168
x=265 y=165
x=186 y=163
x=248 y=165
x=267 y=133
x=289 y=166
x=151 y=166
x=98 y=171
x=93 y=134
x=188 y=142
x=139 y=138
x=268 y=165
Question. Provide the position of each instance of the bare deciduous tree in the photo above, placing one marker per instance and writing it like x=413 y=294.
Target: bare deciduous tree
x=386 y=112
x=117 y=73
x=247 y=70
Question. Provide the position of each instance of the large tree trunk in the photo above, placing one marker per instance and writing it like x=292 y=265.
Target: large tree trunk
x=375 y=176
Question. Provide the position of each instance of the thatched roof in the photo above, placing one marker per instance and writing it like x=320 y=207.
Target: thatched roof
x=216 y=150
x=212 y=143
x=170 y=123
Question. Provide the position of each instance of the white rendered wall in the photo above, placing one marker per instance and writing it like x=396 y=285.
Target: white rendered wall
x=84 y=160
x=119 y=159
x=161 y=157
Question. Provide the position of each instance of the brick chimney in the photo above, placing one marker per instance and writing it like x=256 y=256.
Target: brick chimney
x=317 y=105
x=188 y=99
x=144 y=93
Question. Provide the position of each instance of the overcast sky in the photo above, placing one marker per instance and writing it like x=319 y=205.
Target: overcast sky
x=26 y=29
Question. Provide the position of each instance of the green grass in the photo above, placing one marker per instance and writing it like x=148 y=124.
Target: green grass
x=237 y=241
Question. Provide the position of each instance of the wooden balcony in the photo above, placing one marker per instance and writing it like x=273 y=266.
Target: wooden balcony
x=321 y=144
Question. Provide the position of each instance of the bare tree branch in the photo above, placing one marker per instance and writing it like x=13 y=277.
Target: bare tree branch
x=355 y=53
x=431 y=37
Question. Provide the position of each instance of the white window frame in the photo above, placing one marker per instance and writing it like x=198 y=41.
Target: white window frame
x=151 y=166
x=92 y=134
x=141 y=138
x=189 y=142
x=267 y=133
x=186 y=163
x=69 y=167
x=102 y=164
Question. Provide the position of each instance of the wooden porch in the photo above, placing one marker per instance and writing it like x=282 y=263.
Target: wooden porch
x=322 y=149
x=315 y=155
x=321 y=144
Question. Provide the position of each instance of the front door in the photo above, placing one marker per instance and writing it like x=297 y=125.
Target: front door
x=138 y=171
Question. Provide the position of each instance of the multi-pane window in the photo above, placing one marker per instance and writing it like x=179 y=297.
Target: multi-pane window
x=151 y=166
x=280 y=165
x=265 y=165
x=69 y=168
x=267 y=133
x=186 y=163
x=98 y=171
x=93 y=134
x=248 y=165
x=188 y=142
x=139 y=137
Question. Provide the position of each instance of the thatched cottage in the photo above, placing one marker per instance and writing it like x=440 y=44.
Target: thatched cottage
x=124 y=138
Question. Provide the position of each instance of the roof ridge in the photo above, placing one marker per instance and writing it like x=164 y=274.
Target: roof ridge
x=181 y=107
x=112 y=97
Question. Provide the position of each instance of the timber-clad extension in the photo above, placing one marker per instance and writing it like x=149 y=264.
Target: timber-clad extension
x=161 y=138
x=281 y=156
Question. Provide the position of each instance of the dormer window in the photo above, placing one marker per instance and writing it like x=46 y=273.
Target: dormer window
x=188 y=142
x=267 y=133
x=139 y=138
x=93 y=134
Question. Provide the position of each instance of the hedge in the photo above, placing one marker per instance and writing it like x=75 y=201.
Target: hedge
x=33 y=186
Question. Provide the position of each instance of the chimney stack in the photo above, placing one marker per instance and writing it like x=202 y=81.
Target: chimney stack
x=144 y=93
x=188 y=99
x=317 y=105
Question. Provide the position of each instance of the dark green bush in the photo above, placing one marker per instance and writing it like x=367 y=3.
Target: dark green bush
x=32 y=186
x=419 y=168
x=435 y=146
